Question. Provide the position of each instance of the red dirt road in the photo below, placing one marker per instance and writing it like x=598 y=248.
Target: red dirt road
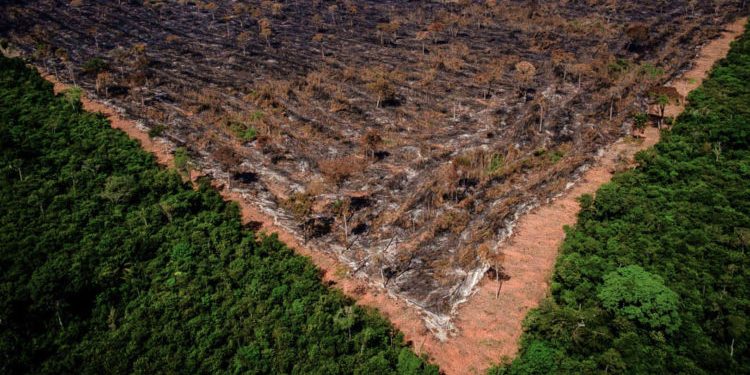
x=488 y=327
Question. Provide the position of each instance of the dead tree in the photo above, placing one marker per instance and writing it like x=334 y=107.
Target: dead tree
x=265 y=31
x=370 y=142
x=243 y=39
x=525 y=72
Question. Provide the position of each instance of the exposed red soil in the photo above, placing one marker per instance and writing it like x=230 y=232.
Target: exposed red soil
x=710 y=53
x=489 y=324
x=161 y=151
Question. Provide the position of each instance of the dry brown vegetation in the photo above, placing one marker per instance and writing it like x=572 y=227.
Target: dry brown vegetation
x=401 y=136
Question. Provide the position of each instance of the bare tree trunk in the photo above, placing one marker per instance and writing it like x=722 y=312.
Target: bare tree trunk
x=499 y=286
x=541 y=117
x=661 y=116
x=346 y=229
x=72 y=75
x=57 y=312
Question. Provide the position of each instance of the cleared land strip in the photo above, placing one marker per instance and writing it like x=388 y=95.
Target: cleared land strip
x=489 y=324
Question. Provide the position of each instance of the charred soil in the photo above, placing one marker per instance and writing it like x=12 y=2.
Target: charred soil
x=401 y=140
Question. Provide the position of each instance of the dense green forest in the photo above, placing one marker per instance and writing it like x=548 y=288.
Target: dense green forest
x=111 y=264
x=655 y=277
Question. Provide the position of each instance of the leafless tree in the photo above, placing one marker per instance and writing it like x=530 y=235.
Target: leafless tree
x=264 y=24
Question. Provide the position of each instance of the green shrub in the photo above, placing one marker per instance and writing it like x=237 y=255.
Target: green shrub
x=94 y=66
x=156 y=131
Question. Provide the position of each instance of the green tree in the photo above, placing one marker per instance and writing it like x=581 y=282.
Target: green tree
x=112 y=264
x=638 y=295
x=182 y=160
x=640 y=120
x=73 y=97
x=118 y=188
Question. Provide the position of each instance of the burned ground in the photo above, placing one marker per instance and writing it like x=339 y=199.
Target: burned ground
x=404 y=137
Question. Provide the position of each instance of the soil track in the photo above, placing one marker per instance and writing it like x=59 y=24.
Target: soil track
x=490 y=323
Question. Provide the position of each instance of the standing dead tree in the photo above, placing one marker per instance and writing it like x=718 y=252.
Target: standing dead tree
x=389 y=29
x=243 y=39
x=562 y=60
x=524 y=75
x=495 y=261
x=370 y=142
x=342 y=208
x=103 y=81
x=380 y=84
x=265 y=31
x=488 y=77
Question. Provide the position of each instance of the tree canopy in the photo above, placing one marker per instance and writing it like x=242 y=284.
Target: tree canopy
x=111 y=264
x=638 y=295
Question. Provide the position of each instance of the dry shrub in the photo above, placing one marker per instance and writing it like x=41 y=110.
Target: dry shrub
x=428 y=76
x=316 y=187
x=299 y=204
x=154 y=114
x=525 y=71
x=428 y=119
x=466 y=257
x=453 y=220
x=443 y=269
x=338 y=105
x=484 y=250
x=451 y=58
x=480 y=164
x=136 y=79
x=270 y=94
x=103 y=81
x=226 y=156
x=205 y=100
x=557 y=185
x=390 y=74
x=370 y=142
x=339 y=169
x=350 y=73
x=339 y=101
x=314 y=81
x=446 y=178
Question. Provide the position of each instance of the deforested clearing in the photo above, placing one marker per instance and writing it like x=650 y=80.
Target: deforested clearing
x=398 y=144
